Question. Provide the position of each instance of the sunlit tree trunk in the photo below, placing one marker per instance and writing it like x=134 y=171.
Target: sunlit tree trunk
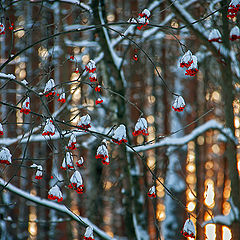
x=228 y=96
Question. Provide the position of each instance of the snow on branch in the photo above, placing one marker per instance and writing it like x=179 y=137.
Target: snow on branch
x=225 y=219
x=82 y=43
x=40 y=137
x=10 y=141
x=171 y=141
x=131 y=28
x=56 y=206
x=77 y=2
x=116 y=59
x=197 y=26
x=7 y=76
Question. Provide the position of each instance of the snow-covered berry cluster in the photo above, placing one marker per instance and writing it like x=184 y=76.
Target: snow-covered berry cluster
x=152 y=192
x=67 y=162
x=189 y=229
x=55 y=193
x=141 y=127
x=215 y=35
x=142 y=20
x=72 y=142
x=50 y=90
x=62 y=97
x=102 y=153
x=120 y=135
x=178 y=104
x=39 y=172
x=233 y=8
x=49 y=129
x=91 y=69
x=80 y=162
x=84 y=122
x=1 y=129
x=76 y=182
x=5 y=156
x=234 y=33
x=26 y=106
x=2 y=29
x=88 y=233
x=189 y=61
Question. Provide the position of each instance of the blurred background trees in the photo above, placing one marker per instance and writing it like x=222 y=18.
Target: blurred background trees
x=195 y=170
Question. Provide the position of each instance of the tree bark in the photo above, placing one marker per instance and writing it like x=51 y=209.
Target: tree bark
x=115 y=81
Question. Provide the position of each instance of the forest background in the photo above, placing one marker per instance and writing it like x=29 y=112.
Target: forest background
x=191 y=157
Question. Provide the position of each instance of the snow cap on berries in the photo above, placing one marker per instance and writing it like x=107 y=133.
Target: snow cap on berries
x=93 y=77
x=143 y=18
x=62 y=97
x=5 y=156
x=145 y=13
x=102 y=153
x=55 y=194
x=98 y=101
x=91 y=66
x=84 y=122
x=98 y=88
x=141 y=127
x=1 y=129
x=235 y=33
x=2 y=28
x=233 y=8
x=193 y=69
x=72 y=142
x=67 y=161
x=39 y=172
x=235 y=3
x=186 y=59
x=214 y=36
x=152 y=192
x=80 y=162
x=49 y=88
x=189 y=229
x=143 y=21
x=88 y=234
x=49 y=129
x=26 y=106
x=179 y=104
x=76 y=182
x=120 y=134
